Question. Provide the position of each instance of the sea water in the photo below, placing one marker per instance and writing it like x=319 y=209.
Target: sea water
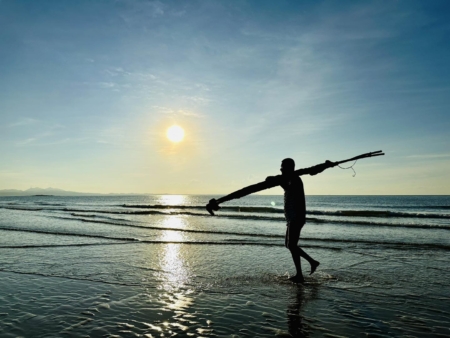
x=161 y=266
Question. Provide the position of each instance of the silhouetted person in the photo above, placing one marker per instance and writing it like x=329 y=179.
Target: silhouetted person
x=295 y=213
x=294 y=206
x=294 y=202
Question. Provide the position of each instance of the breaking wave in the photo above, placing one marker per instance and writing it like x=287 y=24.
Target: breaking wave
x=398 y=245
x=345 y=217
x=269 y=210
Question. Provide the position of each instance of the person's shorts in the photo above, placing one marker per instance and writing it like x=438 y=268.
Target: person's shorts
x=293 y=233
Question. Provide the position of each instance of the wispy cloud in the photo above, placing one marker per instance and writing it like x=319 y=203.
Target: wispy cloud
x=138 y=12
x=37 y=141
x=25 y=121
x=176 y=112
x=117 y=71
x=429 y=156
x=106 y=84
x=26 y=141
x=34 y=139
x=44 y=131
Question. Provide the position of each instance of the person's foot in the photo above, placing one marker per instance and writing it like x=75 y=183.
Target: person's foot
x=297 y=279
x=314 y=266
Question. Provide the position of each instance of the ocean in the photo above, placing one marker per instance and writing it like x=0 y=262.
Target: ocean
x=161 y=266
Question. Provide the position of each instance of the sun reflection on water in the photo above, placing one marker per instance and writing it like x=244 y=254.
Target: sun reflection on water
x=174 y=264
x=172 y=199
x=175 y=222
x=172 y=260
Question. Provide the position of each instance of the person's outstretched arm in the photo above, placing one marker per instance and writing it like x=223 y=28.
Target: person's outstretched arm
x=270 y=182
x=314 y=170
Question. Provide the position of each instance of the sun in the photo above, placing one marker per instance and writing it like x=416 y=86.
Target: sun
x=175 y=133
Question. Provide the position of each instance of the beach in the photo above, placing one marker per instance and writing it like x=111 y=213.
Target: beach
x=160 y=266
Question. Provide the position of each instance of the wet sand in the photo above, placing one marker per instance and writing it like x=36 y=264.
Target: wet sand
x=106 y=297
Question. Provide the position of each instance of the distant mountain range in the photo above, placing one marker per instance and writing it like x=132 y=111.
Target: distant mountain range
x=41 y=191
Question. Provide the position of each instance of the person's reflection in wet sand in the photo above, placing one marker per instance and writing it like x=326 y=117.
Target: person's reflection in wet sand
x=300 y=297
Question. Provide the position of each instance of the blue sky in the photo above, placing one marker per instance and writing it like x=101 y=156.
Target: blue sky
x=88 y=89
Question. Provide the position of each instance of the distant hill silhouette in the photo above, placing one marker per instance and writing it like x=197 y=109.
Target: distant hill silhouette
x=41 y=191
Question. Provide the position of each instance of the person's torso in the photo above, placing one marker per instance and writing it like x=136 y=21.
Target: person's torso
x=294 y=200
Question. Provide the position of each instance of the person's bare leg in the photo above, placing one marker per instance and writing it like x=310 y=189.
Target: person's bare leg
x=292 y=235
x=291 y=240
x=298 y=278
x=314 y=264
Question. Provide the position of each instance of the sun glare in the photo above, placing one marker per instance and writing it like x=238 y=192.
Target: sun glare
x=175 y=133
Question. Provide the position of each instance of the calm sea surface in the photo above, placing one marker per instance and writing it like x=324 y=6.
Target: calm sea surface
x=160 y=266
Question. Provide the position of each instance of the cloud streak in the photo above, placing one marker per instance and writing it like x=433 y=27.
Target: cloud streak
x=429 y=156
x=25 y=121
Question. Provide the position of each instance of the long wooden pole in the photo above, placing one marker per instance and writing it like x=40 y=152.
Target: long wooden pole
x=213 y=204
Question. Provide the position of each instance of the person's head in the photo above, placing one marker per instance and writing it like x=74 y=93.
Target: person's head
x=287 y=166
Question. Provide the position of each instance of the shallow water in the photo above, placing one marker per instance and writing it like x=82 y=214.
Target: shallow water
x=131 y=266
